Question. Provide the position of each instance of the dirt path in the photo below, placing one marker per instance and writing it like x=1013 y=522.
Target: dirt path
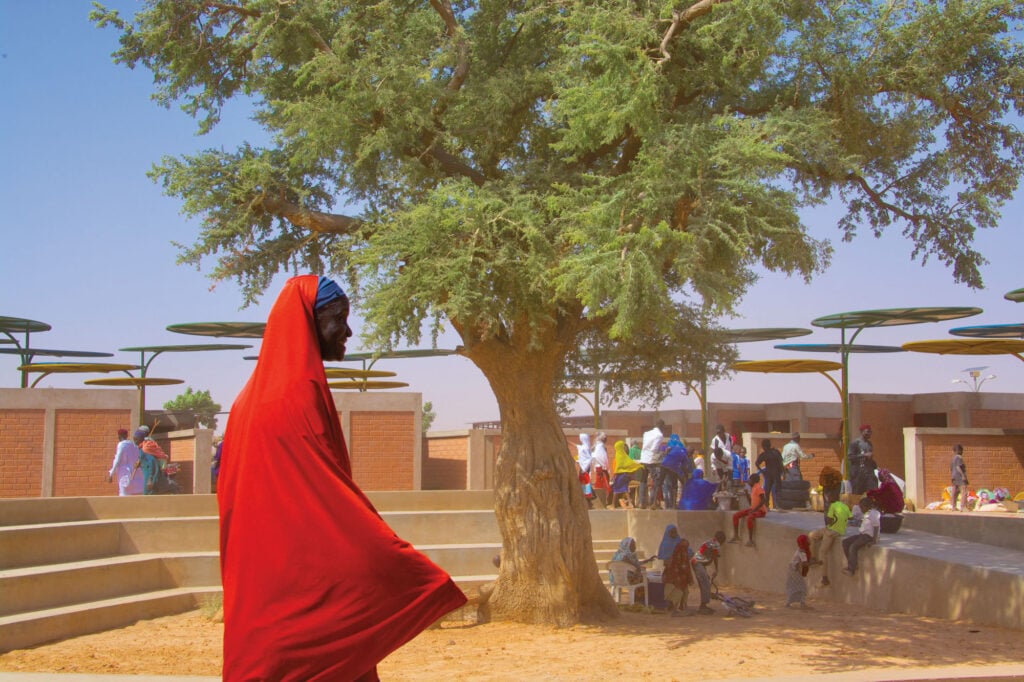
x=776 y=641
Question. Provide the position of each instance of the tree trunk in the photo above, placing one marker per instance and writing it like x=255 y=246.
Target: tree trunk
x=547 y=573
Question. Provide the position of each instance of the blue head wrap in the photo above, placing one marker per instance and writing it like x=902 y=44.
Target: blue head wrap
x=326 y=291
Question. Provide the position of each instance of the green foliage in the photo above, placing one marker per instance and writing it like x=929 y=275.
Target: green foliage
x=198 y=403
x=529 y=172
x=428 y=415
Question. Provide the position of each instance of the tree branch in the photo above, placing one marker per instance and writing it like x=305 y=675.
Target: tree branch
x=682 y=19
x=444 y=8
x=876 y=197
x=316 y=221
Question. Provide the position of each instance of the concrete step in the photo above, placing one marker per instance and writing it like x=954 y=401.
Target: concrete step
x=22 y=630
x=46 y=587
x=30 y=511
x=435 y=527
x=55 y=543
x=42 y=544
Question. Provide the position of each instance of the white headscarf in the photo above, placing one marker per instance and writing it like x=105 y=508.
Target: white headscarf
x=600 y=452
x=585 y=456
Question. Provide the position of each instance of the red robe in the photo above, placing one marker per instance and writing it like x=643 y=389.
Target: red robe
x=316 y=585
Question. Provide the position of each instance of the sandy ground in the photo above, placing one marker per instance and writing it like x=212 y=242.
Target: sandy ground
x=776 y=641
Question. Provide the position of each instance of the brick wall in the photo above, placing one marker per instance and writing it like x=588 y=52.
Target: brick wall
x=381 y=447
x=826 y=450
x=21 y=452
x=992 y=462
x=444 y=462
x=83 y=450
x=887 y=419
x=825 y=425
x=182 y=451
x=996 y=419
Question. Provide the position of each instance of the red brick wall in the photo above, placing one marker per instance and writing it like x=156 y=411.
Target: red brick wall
x=826 y=453
x=381 y=447
x=183 y=452
x=444 y=463
x=992 y=462
x=887 y=419
x=83 y=449
x=997 y=419
x=21 y=452
x=826 y=425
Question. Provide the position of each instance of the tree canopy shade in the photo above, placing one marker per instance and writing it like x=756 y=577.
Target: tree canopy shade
x=530 y=173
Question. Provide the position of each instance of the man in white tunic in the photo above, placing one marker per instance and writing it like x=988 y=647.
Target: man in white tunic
x=125 y=466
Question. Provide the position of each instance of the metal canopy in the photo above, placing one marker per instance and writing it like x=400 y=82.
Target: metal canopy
x=22 y=325
x=139 y=382
x=365 y=385
x=969 y=347
x=786 y=366
x=858 y=320
x=1017 y=295
x=699 y=385
x=838 y=348
x=399 y=354
x=239 y=330
x=346 y=373
x=158 y=350
x=45 y=369
x=188 y=348
x=51 y=353
x=793 y=366
x=892 y=317
x=76 y=367
x=764 y=334
x=992 y=331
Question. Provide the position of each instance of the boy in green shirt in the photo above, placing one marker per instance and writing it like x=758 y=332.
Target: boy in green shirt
x=837 y=517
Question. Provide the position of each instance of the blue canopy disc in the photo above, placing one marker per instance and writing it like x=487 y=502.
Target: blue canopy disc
x=838 y=348
x=1014 y=330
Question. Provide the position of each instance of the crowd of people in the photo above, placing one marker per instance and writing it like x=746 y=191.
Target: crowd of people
x=660 y=472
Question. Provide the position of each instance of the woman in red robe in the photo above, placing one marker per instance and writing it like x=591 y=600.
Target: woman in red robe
x=316 y=585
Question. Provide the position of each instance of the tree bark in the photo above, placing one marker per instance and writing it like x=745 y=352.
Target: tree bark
x=547 y=573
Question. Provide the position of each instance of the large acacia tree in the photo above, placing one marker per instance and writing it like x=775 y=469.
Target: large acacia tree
x=529 y=172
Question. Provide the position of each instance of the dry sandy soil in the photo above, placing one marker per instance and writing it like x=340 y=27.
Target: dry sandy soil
x=776 y=641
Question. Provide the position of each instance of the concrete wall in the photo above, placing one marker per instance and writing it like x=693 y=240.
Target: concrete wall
x=59 y=441
x=903 y=573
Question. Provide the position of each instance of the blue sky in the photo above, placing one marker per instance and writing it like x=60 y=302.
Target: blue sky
x=86 y=245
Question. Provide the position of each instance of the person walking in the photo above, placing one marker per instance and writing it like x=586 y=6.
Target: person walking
x=958 y=477
x=126 y=467
x=316 y=585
